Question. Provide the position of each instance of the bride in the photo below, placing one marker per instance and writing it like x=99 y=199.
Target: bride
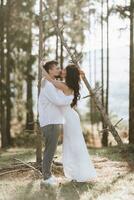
x=77 y=164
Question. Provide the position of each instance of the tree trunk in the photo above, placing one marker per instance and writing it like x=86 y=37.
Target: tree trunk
x=29 y=105
x=95 y=58
x=4 y=139
x=107 y=86
x=131 y=83
x=8 y=71
x=90 y=79
x=102 y=56
x=61 y=55
x=105 y=133
x=39 y=143
x=57 y=37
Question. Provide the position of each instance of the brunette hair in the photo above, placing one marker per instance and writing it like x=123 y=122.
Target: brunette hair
x=73 y=81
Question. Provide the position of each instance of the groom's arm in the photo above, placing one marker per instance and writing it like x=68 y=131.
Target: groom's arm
x=56 y=98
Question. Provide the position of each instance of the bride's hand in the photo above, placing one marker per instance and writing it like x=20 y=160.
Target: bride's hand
x=82 y=73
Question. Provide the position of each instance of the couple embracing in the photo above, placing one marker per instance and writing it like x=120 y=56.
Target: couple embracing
x=56 y=104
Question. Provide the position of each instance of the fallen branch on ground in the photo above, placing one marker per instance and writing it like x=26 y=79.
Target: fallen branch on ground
x=13 y=171
x=22 y=166
x=30 y=166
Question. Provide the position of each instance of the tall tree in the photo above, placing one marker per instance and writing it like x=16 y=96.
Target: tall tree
x=102 y=53
x=15 y=61
x=29 y=80
x=105 y=133
x=107 y=84
x=4 y=139
x=57 y=22
x=40 y=53
x=8 y=72
x=131 y=83
x=61 y=55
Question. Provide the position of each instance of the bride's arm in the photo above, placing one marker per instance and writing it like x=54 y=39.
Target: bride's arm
x=57 y=84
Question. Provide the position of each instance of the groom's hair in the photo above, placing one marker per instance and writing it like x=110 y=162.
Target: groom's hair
x=49 y=65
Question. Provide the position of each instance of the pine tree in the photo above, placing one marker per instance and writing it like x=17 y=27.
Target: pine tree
x=4 y=139
x=131 y=84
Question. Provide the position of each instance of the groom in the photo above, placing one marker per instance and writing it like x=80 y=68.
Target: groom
x=50 y=118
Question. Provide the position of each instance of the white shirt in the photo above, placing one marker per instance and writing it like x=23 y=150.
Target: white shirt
x=50 y=104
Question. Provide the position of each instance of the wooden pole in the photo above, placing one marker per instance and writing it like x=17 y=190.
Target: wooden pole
x=96 y=100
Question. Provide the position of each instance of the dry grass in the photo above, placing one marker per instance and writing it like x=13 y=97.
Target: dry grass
x=115 y=178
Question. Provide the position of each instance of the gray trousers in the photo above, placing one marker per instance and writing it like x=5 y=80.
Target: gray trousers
x=50 y=135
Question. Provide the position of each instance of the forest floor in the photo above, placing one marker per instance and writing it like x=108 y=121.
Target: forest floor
x=115 y=169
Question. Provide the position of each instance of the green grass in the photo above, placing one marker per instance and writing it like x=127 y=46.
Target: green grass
x=115 y=153
x=7 y=156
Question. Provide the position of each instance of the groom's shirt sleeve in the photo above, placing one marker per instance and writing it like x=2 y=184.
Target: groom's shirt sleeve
x=56 y=98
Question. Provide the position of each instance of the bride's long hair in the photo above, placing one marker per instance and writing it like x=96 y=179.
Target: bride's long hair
x=73 y=82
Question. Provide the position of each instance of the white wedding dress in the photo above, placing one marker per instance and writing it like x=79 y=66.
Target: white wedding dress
x=77 y=164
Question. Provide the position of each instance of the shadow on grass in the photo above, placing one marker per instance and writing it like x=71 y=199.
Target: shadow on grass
x=116 y=153
x=67 y=191
x=6 y=158
x=73 y=190
x=108 y=187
